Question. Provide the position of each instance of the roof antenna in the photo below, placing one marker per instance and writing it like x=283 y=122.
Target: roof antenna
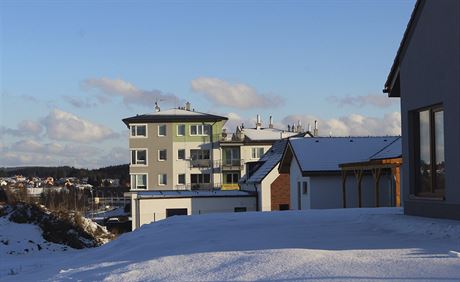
x=157 y=107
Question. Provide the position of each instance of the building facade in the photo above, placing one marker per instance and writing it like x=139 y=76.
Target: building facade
x=176 y=149
x=426 y=76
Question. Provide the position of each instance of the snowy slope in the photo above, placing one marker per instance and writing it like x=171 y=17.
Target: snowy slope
x=326 y=245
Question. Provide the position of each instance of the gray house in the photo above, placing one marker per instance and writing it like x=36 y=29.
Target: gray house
x=426 y=76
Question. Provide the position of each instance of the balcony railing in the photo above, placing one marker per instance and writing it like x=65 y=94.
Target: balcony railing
x=199 y=186
x=201 y=163
x=233 y=164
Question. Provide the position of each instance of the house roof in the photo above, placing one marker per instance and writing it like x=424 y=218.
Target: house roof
x=264 y=134
x=325 y=154
x=268 y=162
x=402 y=47
x=392 y=151
x=173 y=115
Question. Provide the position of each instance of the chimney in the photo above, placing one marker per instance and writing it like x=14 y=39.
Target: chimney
x=188 y=106
x=270 y=125
x=299 y=126
x=293 y=127
x=259 y=123
x=157 y=108
x=289 y=128
x=315 y=131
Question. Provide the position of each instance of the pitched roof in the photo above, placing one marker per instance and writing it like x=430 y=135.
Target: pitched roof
x=392 y=151
x=264 y=134
x=402 y=46
x=173 y=115
x=268 y=162
x=325 y=154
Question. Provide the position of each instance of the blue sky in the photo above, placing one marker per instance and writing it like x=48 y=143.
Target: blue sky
x=71 y=70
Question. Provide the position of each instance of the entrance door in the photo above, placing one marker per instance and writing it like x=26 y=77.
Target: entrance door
x=173 y=212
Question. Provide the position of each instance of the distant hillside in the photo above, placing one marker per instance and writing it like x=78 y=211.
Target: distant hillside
x=119 y=171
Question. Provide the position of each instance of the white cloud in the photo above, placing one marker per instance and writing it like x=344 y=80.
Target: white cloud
x=62 y=125
x=375 y=100
x=241 y=96
x=352 y=125
x=80 y=102
x=130 y=94
x=30 y=152
x=24 y=128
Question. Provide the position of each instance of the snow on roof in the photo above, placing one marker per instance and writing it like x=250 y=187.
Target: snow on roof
x=393 y=150
x=177 y=112
x=191 y=193
x=172 y=115
x=326 y=153
x=267 y=133
x=269 y=161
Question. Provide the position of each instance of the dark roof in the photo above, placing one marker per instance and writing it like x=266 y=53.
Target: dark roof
x=174 y=115
x=268 y=161
x=402 y=45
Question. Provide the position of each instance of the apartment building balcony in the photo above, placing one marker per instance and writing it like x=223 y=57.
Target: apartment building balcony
x=200 y=163
x=199 y=186
x=232 y=164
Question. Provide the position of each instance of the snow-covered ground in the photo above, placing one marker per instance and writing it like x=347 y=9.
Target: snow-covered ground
x=326 y=245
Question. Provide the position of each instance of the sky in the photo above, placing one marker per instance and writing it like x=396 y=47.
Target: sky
x=71 y=70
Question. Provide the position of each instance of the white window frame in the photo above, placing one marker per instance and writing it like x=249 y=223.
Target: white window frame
x=185 y=179
x=160 y=160
x=146 y=156
x=135 y=175
x=160 y=176
x=177 y=129
x=136 y=125
x=185 y=154
x=202 y=126
x=256 y=151
x=158 y=130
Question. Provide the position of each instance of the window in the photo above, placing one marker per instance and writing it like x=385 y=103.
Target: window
x=200 y=178
x=305 y=187
x=240 y=209
x=181 y=179
x=199 y=154
x=181 y=130
x=162 y=179
x=139 y=130
x=429 y=161
x=139 y=181
x=162 y=130
x=284 y=207
x=200 y=129
x=181 y=154
x=162 y=155
x=231 y=177
x=257 y=153
x=232 y=156
x=173 y=212
x=138 y=157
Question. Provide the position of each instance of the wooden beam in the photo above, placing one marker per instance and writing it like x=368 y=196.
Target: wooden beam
x=344 y=193
x=359 y=178
x=376 y=173
x=395 y=172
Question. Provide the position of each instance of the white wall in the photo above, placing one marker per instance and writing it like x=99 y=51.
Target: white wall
x=266 y=191
x=155 y=209
x=295 y=176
